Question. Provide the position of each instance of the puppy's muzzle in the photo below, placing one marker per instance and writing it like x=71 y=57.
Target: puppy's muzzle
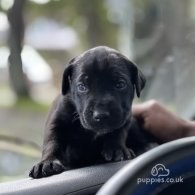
x=101 y=115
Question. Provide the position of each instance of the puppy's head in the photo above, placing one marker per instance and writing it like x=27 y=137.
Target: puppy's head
x=102 y=83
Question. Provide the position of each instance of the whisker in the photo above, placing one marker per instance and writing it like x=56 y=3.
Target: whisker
x=75 y=116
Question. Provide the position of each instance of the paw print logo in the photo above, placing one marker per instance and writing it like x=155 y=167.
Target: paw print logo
x=160 y=170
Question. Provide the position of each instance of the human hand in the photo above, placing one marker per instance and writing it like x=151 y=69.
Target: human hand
x=157 y=120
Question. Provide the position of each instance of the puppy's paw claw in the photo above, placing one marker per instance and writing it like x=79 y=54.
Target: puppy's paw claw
x=117 y=154
x=150 y=146
x=108 y=155
x=130 y=154
x=47 y=168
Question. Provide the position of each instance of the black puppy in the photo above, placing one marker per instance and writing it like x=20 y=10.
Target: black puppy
x=91 y=121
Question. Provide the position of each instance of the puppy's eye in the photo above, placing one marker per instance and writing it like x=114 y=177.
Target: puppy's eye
x=82 y=87
x=121 y=84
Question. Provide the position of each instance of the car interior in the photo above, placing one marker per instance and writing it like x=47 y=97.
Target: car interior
x=120 y=178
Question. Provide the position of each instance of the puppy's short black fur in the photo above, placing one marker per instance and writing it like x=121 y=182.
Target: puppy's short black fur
x=91 y=122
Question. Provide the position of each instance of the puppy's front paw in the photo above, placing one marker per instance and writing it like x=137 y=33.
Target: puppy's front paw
x=117 y=153
x=47 y=168
x=150 y=146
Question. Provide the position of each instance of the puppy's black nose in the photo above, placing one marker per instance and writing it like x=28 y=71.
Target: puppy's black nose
x=100 y=115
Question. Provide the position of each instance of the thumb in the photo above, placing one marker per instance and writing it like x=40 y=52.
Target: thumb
x=138 y=110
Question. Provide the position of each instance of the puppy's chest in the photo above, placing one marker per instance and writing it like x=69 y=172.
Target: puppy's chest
x=81 y=138
x=82 y=147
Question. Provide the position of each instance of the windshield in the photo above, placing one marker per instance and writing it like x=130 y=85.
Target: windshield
x=158 y=35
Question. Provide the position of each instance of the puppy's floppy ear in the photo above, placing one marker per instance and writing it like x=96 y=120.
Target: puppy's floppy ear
x=66 y=77
x=138 y=78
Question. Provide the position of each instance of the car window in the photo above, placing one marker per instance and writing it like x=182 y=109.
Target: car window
x=158 y=35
